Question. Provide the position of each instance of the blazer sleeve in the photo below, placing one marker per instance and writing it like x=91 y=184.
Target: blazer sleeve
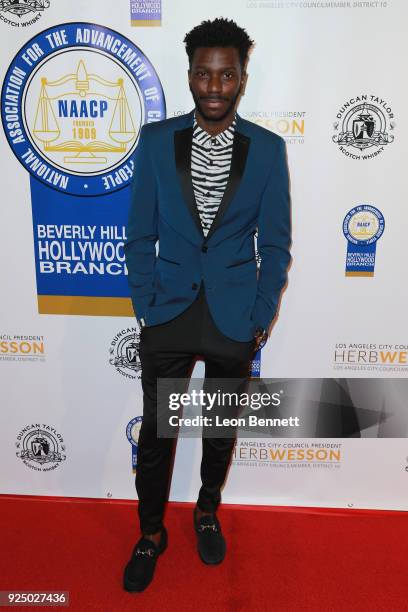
x=274 y=239
x=142 y=234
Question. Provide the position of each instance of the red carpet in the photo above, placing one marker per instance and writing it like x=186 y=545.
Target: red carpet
x=277 y=558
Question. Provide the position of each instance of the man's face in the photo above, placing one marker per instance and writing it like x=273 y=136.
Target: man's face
x=215 y=79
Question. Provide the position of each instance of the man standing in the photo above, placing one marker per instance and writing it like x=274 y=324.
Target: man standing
x=203 y=184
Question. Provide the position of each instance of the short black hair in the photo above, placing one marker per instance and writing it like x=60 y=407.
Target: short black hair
x=218 y=33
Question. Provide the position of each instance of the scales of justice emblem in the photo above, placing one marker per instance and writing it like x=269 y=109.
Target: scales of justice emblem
x=23 y=7
x=363 y=226
x=85 y=117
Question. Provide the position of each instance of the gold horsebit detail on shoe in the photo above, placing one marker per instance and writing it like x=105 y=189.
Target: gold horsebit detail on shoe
x=149 y=552
x=202 y=527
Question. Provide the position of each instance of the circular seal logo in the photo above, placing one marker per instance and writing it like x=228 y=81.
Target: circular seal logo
x=73 y=103
x=132 y=434
x=124 y=353
x=363 y=127
x=41 y=447
x=26 y=12
x=363 y=224
x=133 y=430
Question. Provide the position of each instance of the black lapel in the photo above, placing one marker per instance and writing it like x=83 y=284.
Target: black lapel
x=183 y=142
x=240 y=149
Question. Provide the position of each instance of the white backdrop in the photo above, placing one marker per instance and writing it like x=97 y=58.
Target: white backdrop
x=309 y=60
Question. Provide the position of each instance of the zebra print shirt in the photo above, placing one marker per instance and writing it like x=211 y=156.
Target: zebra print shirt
x=210 y=168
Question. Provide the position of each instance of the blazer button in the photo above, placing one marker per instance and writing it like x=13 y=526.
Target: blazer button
x=204 y=249
x=194 y=286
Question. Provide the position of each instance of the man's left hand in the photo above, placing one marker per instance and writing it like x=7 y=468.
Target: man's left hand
x=261 y=337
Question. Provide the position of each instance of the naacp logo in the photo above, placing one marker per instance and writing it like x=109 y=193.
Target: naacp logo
x=40 y=447
x=132 y=434
x=27 y=12
x=363 y=224
x=364 y=127
x=73 y=103
x=124 y=353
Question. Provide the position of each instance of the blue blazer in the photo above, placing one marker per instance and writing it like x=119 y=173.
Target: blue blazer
x=163 y=209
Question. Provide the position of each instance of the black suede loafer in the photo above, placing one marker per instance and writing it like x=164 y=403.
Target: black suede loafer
x=210 y=541
x=140 y=569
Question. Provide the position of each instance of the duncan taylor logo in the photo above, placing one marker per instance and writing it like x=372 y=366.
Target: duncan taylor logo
x=363 y=127
x=40 y=447
x=26 y=12
x=124 y=353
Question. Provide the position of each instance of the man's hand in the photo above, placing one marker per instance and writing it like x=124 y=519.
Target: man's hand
x=261 y=337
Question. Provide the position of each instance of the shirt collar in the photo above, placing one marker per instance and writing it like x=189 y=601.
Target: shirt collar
x=228 y=133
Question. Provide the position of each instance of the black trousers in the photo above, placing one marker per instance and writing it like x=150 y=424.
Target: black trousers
x=169 y=350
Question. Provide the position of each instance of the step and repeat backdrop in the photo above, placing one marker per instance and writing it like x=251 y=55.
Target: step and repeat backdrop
x=79 y=81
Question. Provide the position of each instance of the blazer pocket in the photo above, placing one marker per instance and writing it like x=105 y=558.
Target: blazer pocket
x=241 y=263
x=176 y=263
